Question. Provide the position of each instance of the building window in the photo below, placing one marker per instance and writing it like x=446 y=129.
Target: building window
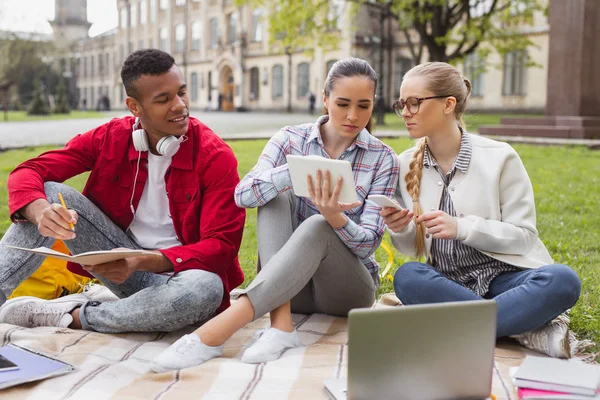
x=194 y=96
x=303 y=79
x=403 y=64
x=180 y=2
x=213 y=33
x=232 y=28
x=122 y=51
x=164 y=37
x=254 y=83
x=473 y=70
x=514 y=73
x=278 y=81
x=153 y=11
x=257 y=25
x=180 y=38
x=140 y=44
x=143 y=12
x=100 y=65
x=196 y=35
x=84 y=67
x=123 y=18
x=92 y=66
x=133 y=15
x=329 y=65
x=164 y=4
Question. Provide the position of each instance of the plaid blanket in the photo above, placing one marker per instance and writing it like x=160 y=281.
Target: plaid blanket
x=117 y=366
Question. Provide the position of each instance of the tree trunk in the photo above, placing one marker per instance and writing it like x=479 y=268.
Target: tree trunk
x=4 y=95
x=437 y=53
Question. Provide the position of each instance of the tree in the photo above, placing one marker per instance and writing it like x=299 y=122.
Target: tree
x=449 y=29
x=39 y=105
x=62 y=103
x=20 y=61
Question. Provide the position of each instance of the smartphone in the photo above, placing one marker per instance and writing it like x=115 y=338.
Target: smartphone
x=383 y=201
x=7 y=365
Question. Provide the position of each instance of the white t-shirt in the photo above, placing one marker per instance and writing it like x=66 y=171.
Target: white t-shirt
x=152 y=227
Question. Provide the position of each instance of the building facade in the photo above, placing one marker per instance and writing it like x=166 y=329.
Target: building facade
x=224 y=54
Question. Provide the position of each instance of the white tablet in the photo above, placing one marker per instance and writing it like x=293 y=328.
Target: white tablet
x=302 y=166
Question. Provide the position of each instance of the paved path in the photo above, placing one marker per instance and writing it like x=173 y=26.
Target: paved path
x=230 y=126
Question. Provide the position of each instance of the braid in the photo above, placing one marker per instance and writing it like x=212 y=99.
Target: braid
x=413 y=186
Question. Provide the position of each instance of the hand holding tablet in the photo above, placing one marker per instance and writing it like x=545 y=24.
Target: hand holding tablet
x=302 y=166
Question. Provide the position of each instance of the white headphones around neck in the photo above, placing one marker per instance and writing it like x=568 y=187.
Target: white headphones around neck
x=167 y=146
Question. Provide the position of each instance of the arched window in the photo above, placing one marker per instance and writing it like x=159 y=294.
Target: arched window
x=180 y=38
x=278 y=81
x=254 y=83
x=303 y=79
x=164 y=38
x=196 y=35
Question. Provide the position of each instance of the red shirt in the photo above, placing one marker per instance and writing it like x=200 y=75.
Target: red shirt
x=200 y=183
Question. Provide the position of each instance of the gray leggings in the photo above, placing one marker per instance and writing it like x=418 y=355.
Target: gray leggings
x=307 y=264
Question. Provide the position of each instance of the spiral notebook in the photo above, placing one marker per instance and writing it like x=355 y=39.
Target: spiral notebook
x=32 y=366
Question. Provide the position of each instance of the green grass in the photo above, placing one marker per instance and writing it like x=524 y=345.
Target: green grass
x=19 y=116
x=472 y=120
x=567 y=189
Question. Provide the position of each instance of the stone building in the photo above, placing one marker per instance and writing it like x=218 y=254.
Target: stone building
x=224 y=54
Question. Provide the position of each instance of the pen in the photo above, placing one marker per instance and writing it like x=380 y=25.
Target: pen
x=62 y=201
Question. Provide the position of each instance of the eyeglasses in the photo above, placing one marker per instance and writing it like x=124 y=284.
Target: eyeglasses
x=412 y=104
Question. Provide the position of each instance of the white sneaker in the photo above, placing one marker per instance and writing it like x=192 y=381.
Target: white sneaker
x=270 y=345
x=187 y=351
x=101 y=293
x=551 y=339
x=29 y=311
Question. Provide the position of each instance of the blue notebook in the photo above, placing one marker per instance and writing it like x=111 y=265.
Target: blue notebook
x=32 y=366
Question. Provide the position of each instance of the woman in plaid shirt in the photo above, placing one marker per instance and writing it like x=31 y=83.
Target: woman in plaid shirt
x=316 y=253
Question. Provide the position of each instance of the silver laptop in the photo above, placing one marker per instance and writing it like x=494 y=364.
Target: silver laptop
x=423 y=352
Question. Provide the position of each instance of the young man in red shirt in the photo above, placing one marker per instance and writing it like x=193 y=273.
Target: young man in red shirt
x=159 y=180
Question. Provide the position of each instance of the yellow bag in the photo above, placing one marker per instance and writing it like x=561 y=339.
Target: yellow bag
x=52 y=279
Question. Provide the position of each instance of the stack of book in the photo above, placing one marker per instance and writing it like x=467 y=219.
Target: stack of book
x=541 y=378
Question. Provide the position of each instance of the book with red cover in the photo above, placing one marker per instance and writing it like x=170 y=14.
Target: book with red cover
x=535 y=394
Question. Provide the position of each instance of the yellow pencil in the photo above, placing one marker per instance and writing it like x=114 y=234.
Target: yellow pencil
x=62 y=201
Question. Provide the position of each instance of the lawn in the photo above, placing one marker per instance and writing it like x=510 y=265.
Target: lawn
x=472 y=119
x=566 y=182
x=19 y=116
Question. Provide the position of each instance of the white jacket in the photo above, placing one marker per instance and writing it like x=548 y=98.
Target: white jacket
x=494 y=205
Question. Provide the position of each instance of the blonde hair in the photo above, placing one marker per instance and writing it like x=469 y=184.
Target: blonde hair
x=441 y=79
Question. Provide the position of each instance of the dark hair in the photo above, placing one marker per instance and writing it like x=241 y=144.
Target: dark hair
x=144 y=62
x=348 y=67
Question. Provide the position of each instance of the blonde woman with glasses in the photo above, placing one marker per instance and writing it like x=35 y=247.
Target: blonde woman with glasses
x=470 y=210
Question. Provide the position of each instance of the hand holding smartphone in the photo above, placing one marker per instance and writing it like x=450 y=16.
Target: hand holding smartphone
x=383 y=201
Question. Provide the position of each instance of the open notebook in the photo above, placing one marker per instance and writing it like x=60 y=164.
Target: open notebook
x=32 y=366
x=88 y=258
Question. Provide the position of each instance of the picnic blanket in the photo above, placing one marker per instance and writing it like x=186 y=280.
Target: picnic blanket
x=116 y=366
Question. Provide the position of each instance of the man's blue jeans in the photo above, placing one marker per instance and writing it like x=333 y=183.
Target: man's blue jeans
x=148 y=301
x=526 y=299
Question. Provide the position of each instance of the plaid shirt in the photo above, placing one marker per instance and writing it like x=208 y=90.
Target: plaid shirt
x=456 y=260
x=375 y=168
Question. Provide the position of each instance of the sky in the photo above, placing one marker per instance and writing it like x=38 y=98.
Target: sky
x=33 y=15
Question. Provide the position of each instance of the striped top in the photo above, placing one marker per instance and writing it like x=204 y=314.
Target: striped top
x=459 y=262
x=375 y=167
